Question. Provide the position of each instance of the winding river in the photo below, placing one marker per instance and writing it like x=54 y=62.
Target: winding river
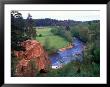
x=73 y=54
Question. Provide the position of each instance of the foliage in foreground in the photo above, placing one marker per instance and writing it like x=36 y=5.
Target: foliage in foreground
x=71 y=70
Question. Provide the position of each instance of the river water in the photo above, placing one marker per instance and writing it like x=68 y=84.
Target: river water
x=73 y=54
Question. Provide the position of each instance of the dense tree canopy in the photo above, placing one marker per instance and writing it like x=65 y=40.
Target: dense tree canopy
x=21 y=29
x=54 y=22
x=17 y=29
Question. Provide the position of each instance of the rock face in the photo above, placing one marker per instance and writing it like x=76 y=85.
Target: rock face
x=32 y=60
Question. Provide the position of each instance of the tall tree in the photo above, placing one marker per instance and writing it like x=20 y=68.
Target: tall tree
x=67 y=28
x=17 y=29
x=30 y=30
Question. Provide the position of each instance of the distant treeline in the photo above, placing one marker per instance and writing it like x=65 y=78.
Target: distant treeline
x=55 y=22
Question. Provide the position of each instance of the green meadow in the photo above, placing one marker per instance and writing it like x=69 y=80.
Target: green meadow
x=53 y=40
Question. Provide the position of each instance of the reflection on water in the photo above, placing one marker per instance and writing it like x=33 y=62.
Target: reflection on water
x=64 y=57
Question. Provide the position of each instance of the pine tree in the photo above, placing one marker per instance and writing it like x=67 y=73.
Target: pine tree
x=17 y=30
x=30 y=30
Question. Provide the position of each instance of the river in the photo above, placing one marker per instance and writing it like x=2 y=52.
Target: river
x=73 y=54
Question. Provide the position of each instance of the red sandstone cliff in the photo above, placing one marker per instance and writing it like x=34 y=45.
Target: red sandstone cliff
x=32 y=60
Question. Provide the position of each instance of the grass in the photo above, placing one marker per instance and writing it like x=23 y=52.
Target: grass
x=45 y=31
x=54 y=40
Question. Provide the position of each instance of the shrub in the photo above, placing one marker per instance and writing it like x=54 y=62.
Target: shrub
x=40 y=35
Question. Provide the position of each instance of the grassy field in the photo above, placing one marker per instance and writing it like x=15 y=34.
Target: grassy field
x=54 y=40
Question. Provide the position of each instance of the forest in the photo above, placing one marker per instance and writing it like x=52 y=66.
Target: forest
x=54 y=48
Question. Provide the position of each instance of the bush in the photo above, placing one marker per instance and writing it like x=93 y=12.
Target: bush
x=47 y=44
x=96 y=55
x=54 y=31
x=61 y=31
x=40 y=35
x=68 y=36
x=75 y=31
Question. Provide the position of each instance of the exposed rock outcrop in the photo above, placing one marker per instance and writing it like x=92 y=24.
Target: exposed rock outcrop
x=32 y=60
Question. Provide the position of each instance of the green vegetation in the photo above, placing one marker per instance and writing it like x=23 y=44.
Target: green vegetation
x=80 y=31
x=49 y=40
x=71 y=70
x=14 y=62
x=45 y=31
x=63 y=32
x=88 y=32
x=21 y=29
